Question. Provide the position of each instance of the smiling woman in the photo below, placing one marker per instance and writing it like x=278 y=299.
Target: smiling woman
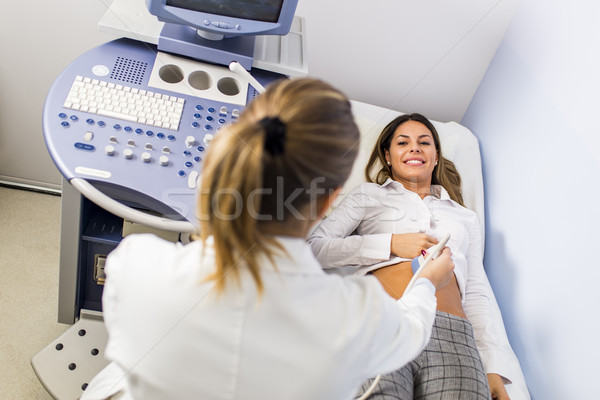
x=414 y=200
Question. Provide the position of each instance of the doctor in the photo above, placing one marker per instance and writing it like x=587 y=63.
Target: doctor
x=246 y=311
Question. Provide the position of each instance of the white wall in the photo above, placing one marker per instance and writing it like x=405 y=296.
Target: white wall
x=535 y=114
x=406 y=55
x=38 y=40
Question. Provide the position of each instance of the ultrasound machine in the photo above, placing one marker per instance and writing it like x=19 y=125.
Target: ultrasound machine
x=128 y=124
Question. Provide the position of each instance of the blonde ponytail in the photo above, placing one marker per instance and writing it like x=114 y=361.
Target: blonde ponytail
x=243 y=183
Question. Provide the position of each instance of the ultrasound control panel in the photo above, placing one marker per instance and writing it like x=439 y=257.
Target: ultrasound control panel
x=137 y=123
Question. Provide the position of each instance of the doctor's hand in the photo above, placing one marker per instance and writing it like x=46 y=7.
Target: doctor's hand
x=440 y=270
x=409 y=245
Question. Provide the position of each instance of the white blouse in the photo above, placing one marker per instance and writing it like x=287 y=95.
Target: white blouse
x=311 y=335
x=358 y=233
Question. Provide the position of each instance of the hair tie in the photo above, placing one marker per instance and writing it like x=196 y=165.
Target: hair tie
x=275 y=134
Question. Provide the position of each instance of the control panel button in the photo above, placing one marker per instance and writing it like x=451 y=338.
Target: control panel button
x=84 y=146
x=128 y=154
x=148 y=146
x=146 y=157
x=208 y=137
x=193 y=180
x=190 y=141
x=163 y=160
x=109 y=150
x=131 y=143
x=113 y=139
x=88 y=136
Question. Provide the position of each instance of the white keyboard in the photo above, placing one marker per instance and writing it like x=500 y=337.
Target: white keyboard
x=123 y=102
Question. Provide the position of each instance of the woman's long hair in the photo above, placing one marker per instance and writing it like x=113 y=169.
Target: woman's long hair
x=444 y=173
x=246 y=185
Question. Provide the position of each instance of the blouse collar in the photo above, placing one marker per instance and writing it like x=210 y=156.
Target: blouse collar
x=437 y=191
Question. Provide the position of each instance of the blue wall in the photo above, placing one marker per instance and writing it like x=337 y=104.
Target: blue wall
x=535 y=114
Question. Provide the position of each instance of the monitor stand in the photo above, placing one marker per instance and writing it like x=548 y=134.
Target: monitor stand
x=184 y=40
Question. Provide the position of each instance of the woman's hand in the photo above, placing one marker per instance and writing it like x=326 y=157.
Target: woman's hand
x=497 y=388
x=440 y=270
x=409 y=245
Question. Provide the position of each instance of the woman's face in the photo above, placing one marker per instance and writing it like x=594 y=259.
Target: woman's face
x=412 y=153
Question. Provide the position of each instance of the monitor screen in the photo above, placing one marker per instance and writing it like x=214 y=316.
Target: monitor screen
x=228 y=17
x=267 y=11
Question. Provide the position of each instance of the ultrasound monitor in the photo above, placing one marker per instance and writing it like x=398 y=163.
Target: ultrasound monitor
x=223 y=30
x=228 y=18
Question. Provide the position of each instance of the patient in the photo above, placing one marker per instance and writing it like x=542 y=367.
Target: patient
x=380 y=226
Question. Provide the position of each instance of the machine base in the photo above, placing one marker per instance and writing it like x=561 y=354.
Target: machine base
x=67 y=365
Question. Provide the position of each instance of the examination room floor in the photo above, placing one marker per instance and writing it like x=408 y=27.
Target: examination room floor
x=29 y=253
